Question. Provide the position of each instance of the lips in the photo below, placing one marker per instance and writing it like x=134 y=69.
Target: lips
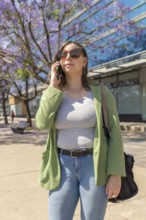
x=68 y=64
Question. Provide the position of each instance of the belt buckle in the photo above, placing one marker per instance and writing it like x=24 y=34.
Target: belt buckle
x=71 y=154
x=80 y=150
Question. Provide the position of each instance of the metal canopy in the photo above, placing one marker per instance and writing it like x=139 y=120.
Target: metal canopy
x=118 y=66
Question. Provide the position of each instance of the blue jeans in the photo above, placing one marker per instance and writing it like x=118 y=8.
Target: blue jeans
x=77 y=182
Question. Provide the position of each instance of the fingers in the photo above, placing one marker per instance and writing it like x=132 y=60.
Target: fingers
x=54 y=67
x=112 y=194
x=113 y=187
x=55 y=76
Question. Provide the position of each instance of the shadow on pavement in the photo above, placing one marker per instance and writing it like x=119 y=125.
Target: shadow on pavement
x=132 y=136
x=37 y=137
x=33 y=136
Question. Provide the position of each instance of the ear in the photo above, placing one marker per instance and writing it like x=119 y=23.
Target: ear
x=85 y=61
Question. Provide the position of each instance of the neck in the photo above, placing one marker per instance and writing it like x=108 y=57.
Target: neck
x=75 y=84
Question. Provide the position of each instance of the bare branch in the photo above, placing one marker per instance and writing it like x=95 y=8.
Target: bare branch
x=36 y=43
x=47 y=36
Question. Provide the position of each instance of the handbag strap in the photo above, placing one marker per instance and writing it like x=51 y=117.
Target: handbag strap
x=104 y=112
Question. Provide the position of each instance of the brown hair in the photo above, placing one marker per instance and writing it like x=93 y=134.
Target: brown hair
x=84 y=79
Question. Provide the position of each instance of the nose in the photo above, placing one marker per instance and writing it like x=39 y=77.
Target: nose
x=68 y=56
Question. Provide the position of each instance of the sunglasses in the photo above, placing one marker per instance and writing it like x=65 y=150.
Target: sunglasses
x=74 y=53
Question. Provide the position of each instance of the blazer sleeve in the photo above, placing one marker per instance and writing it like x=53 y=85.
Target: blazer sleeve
x=49 y=104
x=116 y=161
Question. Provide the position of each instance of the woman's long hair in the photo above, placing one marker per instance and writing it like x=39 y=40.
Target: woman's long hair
x=84 y=79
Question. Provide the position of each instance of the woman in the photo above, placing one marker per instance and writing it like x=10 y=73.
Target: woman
x=12 y=116
x=79 y=162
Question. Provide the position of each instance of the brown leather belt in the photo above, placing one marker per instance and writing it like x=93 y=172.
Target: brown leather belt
x=76 y=153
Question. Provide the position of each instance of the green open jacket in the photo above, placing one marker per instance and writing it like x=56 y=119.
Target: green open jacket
x=108 y=156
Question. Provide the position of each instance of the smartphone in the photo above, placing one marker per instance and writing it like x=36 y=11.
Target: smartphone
x=59 y=71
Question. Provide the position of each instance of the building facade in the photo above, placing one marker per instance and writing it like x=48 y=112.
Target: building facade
x=122 y=67
x=18 y=106
x=105 y=33
x=126 y=78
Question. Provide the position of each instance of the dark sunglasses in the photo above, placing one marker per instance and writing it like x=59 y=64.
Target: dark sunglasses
x=74 y=53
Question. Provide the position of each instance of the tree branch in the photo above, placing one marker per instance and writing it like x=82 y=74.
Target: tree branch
x=36 y=43
x=47 y=36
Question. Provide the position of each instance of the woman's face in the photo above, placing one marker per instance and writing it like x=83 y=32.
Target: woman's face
x=72 y=60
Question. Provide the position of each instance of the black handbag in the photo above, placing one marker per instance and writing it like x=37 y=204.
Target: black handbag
x=129 y=187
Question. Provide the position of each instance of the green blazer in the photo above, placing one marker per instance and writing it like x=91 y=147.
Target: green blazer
x=108 y=156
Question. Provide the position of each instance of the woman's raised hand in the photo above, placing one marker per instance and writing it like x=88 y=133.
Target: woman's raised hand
x=55 y=76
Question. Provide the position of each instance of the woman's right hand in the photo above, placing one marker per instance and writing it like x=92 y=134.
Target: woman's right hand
x=55 y=80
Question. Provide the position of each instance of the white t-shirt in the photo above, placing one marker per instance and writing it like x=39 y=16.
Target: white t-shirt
x=75 y=122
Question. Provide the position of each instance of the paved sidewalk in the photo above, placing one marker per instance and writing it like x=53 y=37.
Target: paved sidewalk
x=23 y=199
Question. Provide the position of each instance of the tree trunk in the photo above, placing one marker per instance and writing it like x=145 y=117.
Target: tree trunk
x=29 y=121
x=4 y=108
